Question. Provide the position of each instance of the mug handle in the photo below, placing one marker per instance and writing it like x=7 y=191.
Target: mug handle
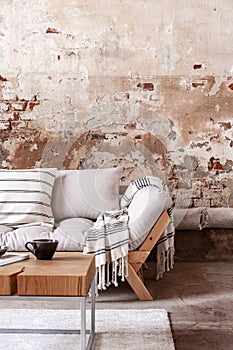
x=30 y=250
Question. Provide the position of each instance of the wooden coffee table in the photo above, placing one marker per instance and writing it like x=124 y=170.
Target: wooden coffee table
x=68 y=274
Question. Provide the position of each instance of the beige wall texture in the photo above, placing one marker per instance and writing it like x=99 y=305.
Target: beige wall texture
x=145 y=84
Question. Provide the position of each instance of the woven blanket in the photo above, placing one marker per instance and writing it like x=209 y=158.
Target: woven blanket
x=165 y=247
x=108 y=239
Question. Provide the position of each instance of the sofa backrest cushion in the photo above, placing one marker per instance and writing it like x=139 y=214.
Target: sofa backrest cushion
x=25 y=196
x=85 y=193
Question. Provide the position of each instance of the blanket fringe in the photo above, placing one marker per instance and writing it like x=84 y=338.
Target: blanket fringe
x=165 y=262
x=118 y=267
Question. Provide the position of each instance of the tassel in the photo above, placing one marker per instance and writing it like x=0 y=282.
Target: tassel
x=108 y=272
x=103 y=277
x=160 y=265
x=96 y=288
x=123 y=269
x=114 y=273
x=126 y=266
x=167 y=261
x=99 y=277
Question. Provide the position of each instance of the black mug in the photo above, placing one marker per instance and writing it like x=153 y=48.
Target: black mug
x=43 y=249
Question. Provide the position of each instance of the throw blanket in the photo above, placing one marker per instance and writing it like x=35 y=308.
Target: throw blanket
x=165 y=248
x=108 y=238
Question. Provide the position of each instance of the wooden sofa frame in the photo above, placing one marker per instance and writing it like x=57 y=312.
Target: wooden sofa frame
x=137 y=258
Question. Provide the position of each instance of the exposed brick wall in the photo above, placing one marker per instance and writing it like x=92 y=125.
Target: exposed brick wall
x=145 y=86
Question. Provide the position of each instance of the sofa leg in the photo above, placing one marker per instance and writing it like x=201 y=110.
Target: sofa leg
x=137 y=285
x=140 y=275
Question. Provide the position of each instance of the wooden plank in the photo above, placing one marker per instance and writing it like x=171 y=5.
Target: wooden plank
x=137 y=256
x=137 y=285
x=136 y=266
x=67 y=274
x=140 y=275
x=8 y=278
x=156 y=232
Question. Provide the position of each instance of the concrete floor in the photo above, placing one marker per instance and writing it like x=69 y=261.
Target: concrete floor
x=198 y=297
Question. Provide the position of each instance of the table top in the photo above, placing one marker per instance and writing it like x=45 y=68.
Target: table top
x=67 y=274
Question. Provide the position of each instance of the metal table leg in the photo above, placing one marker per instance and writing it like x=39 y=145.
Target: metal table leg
x=83 y=319
x=83 y=324
x=83 y=310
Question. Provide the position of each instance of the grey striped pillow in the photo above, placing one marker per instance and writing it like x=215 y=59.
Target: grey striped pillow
x=25 y=196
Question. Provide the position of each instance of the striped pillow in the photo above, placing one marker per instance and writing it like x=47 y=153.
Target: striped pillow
x=25 y=196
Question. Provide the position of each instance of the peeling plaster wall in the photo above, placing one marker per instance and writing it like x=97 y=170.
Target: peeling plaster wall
x=146 y=84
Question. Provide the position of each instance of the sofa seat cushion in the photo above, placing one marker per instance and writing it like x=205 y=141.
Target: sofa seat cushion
x=144 y=210
x=4 y=229
x=25 y=196
x=16 y=239
x=70 y=233
x=85 y=193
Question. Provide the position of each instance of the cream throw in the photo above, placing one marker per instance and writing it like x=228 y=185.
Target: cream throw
x=108 y=239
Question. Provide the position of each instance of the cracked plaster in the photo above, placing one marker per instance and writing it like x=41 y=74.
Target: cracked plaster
x=152 y=79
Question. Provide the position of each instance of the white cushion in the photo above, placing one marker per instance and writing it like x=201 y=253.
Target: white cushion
x=16 y=239
x=25 y=196
x=85 y=193
x=4 y=229
x=144 y=210
x=70 y=234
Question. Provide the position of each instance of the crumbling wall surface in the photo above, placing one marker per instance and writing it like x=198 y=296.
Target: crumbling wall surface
x=143 y=84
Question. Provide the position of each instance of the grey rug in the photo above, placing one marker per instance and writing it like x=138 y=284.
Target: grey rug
x=115 y=329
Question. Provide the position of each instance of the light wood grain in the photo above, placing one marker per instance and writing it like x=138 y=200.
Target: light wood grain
x=8 y=278
x=156 y=232
x=67 y=274
x=137 y=258
x=137 y=285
